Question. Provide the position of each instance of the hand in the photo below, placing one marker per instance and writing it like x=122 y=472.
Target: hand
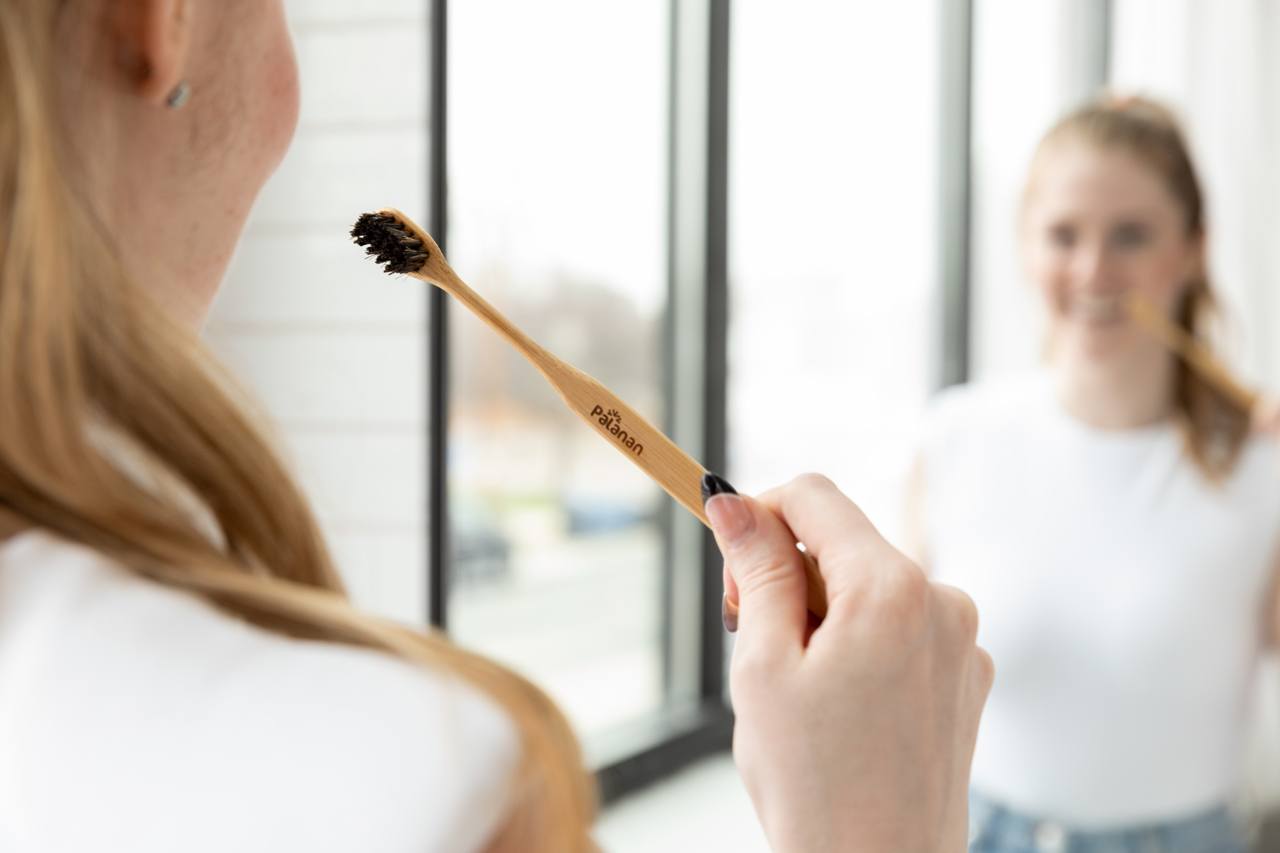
x=862 y=737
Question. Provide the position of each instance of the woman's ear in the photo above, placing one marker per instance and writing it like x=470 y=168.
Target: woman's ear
x=153 y=42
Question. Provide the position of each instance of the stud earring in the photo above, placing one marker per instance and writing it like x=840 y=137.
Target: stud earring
x=179 y=96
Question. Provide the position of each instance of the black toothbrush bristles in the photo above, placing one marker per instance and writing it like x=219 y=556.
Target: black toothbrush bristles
x=390 y=242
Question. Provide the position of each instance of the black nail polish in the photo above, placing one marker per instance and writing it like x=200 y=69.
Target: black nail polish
x=714 y=484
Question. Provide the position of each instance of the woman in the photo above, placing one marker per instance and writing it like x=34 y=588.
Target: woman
x=1112 y=517
x=179 y=668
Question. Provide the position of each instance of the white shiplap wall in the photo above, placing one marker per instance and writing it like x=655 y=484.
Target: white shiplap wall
x=335 y=350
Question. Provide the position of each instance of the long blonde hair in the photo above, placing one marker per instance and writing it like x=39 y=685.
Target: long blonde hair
x=84 y=351
x=1214 y=426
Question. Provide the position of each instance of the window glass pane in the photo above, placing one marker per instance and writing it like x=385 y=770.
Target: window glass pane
x=832 y=238
x=558 y=209
x=1024 y=77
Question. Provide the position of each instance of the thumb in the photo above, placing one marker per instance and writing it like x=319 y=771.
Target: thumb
x=761 y=558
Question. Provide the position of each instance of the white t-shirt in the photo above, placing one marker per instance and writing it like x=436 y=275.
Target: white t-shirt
x=1120 y=595
x=138 y=718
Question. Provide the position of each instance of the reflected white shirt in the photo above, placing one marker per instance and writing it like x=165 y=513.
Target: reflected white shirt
x=139 y=718
x=1120 y=595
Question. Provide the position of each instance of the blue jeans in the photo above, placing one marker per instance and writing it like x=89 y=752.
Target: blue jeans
x=993 y=828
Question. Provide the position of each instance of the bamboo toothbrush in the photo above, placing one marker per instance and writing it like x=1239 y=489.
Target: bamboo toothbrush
x=402 y=247
x=1196 y=354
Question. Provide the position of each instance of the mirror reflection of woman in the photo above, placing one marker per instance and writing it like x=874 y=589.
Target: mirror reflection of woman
x=1114 y=518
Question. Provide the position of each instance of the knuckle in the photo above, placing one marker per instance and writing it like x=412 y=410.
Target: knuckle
x=812 y=481
x=904 y=586
x=751 y=671
x=892 y=602
x=962 y=612
x=761 y=571
x=984 y=670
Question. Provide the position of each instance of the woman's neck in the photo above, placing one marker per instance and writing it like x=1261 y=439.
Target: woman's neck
x=1118 y=394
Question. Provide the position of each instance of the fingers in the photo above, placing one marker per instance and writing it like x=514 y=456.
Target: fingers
x=890 y=595
x=879 y=594
x=763 y=563
x=847 y=547
x=729 y=608
x=956 y=615
x=955 y=619
x=984 y=676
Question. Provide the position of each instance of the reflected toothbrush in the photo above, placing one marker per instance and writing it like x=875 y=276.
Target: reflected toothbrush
x=1192 y=351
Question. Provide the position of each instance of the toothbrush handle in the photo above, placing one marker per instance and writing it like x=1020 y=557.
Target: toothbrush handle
x=620 y=425
x=655 y=454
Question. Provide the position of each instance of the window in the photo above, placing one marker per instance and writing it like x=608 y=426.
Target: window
x=558 y=216
x=1032 y=62
x=833 y=235
x=563 y=559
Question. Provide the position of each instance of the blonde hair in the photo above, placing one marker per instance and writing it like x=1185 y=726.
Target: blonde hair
x=84 y=352
x=1214 y=426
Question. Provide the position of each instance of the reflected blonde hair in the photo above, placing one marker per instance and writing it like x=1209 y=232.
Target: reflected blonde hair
x=85 y=352
x=1214 y=426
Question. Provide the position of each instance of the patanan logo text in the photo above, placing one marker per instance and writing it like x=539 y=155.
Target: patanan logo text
x=612 y=421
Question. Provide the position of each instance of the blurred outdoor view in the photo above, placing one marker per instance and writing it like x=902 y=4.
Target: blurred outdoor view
x=558 y=193
x=558 y=217
x=833 y=212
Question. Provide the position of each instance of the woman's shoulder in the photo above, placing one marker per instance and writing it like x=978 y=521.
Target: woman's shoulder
x=135 y=693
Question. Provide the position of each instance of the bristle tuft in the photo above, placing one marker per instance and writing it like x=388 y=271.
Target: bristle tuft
x=390 y=242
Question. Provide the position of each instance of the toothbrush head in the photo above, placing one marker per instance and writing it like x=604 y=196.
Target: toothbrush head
x=391 y=242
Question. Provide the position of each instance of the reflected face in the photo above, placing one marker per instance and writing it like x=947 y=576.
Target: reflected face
x=1098 y=226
